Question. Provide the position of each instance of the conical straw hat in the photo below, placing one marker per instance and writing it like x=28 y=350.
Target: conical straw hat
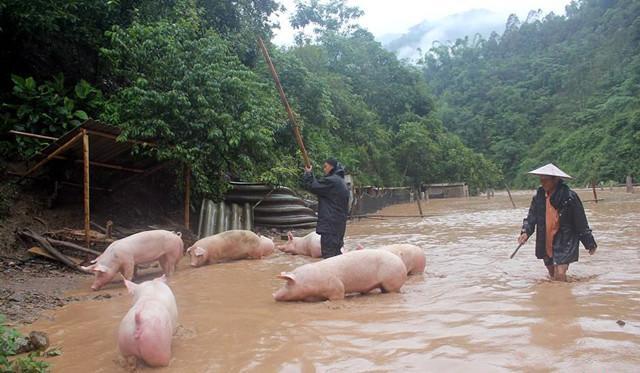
x=550 y=170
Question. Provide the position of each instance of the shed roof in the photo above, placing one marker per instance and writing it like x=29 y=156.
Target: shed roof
x=104 y=148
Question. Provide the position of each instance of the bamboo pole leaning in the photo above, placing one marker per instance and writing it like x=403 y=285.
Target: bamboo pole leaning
x=285 y=102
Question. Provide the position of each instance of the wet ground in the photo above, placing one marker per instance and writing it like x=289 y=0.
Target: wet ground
x=473 y=309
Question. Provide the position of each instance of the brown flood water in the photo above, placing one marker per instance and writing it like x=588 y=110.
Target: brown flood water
x=474 y=309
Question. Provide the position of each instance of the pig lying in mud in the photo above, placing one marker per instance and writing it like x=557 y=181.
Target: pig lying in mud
x=412 y=256
x=147 y=329
x=229 y=245
x=140 y=248
x=308 y=245
x=357 y=271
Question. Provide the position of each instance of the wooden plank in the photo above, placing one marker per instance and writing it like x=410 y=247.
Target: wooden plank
x=42 y=252
x=114 y=137
x=33 y=135
x=103 y=165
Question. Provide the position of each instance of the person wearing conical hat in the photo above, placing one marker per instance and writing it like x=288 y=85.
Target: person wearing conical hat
x=557 y=216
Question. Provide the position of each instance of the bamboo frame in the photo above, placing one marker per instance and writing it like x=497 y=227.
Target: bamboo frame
x=34 y=135
x=85 y=156
x=62 y=148
x=115 y=137
x=148 y=172
x=103 y=165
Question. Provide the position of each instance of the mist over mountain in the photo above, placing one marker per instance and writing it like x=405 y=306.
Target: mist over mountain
x=448 y=29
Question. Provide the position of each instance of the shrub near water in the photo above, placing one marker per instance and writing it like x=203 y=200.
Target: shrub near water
x=8 y=345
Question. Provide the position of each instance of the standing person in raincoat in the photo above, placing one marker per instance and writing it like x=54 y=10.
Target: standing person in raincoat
x=558 y=215
x=333 y=205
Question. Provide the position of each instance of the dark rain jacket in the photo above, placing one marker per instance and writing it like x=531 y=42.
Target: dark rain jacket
x=573 y=229
x=333 y=200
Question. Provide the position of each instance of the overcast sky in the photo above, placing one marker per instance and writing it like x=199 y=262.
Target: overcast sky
x=396 y=16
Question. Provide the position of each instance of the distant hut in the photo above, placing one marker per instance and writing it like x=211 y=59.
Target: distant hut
x=447 y=190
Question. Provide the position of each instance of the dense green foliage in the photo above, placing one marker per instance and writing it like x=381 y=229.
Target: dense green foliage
x=562 y=89
x=187 y=74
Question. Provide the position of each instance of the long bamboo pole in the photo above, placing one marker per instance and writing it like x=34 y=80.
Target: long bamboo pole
x=85 y=156
x=593 y=187
x=283 y=98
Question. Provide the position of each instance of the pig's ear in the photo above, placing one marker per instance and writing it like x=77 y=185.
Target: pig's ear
x=100 y=268
x=290 y=277
x=88 y=268
x=359 y=247
x=189 y=249
x=290 y=236
x=162 y=278
x=131 y=286
x=199 y=251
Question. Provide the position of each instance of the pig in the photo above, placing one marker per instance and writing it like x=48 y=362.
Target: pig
x=412 y=256
x=230 y=245
x=308 y=245
x=147 y=329
x=140 y=248
x=357 y=271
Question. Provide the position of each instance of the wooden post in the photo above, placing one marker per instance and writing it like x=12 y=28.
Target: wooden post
x=629 y=184
x=509 y=193
x=420 y=207
x=85 y=158
x=593 y=187
x=187 y=195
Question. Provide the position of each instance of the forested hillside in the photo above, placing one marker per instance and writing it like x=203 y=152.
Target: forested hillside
x=556 y=88
x=188 y=74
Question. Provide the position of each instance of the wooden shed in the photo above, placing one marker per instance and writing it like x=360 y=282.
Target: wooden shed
x=95 y=146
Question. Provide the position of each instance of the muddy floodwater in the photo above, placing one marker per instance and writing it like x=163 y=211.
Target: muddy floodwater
x=473 y=309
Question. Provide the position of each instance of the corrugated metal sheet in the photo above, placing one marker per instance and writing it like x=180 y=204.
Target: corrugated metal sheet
x=249 y=204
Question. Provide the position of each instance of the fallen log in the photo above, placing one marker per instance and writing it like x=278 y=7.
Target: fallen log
x=37 y=250
x=71 y=245
x=79 y=235
x=53 y=251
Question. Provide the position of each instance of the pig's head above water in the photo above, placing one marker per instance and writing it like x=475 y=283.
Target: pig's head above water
x=199 y=256
x=290 y=290
x=103 y=274
x=305 y=286
x=146 y=288
x=290 y=245
x=266 y=246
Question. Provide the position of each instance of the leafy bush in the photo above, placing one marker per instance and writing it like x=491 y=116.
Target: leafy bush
x=46 y=109
x=8 y=344
x=184 y=88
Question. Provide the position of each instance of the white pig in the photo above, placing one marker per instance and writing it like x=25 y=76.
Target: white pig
x=412 y=256
x=140 y=248
x=354 y=272
x=146 y=331
x=308 y=245
x=229 y=245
